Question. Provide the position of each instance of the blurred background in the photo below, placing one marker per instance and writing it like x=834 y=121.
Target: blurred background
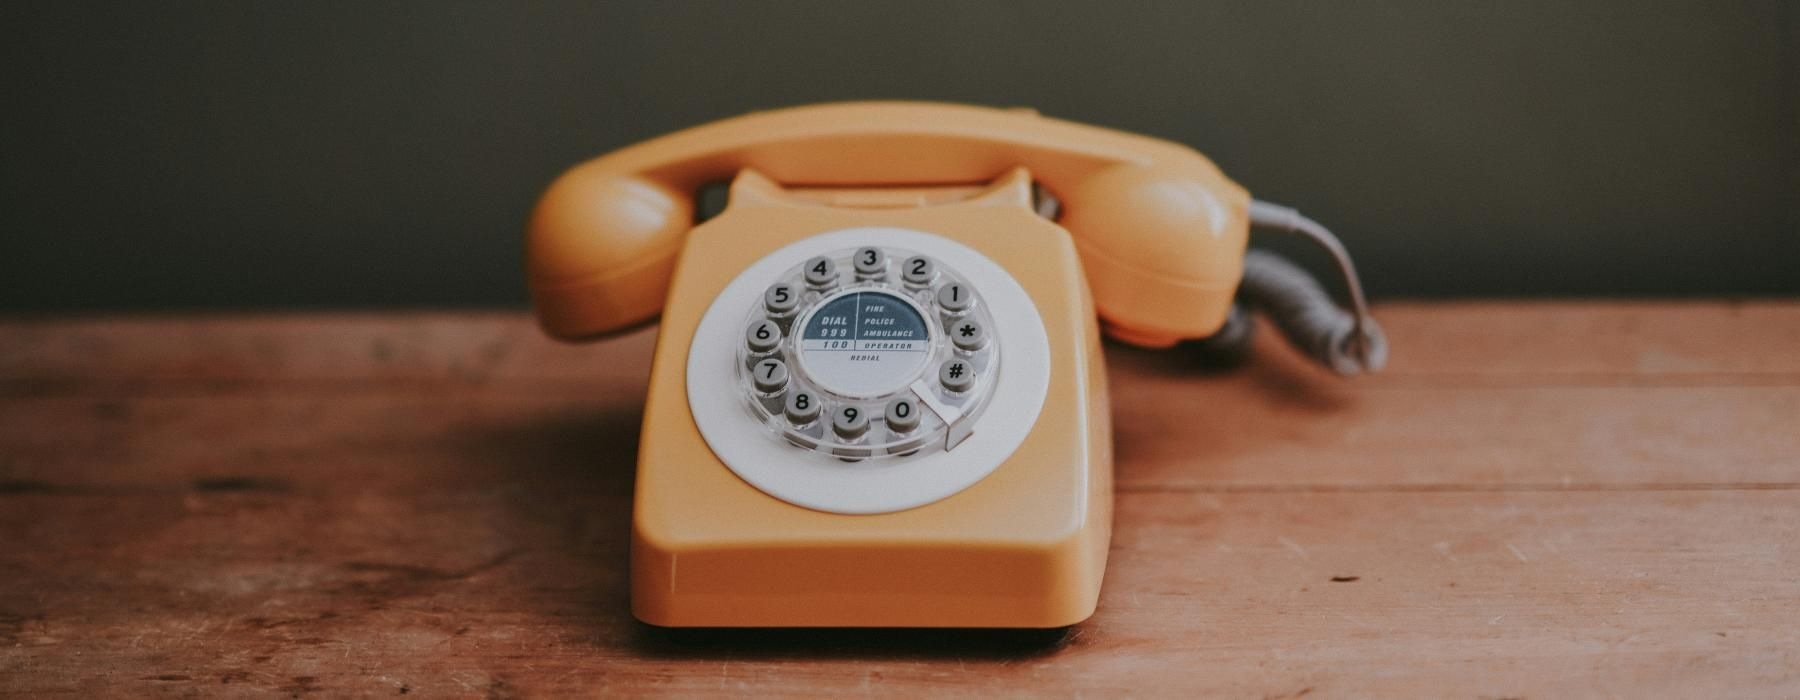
x=230 y=155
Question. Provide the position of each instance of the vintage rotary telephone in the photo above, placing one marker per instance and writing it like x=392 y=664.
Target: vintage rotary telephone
x=877 y=397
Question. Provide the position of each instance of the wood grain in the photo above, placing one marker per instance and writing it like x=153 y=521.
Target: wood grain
x=1538 y=500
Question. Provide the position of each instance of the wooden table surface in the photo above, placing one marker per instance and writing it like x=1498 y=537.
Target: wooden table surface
x=1537 y=500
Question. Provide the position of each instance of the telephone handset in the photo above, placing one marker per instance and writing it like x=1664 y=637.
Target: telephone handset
x=877 y=397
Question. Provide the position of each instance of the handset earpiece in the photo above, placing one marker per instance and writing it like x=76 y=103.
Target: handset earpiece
x=600 y=248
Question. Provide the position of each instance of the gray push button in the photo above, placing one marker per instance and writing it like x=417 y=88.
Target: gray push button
x=902 y=415
x=781 y=298
x=957 y=375
x=968 y=335
x=821 y=272
x=762 y=335
x=918 y=270
x=870 y=262
x=954 y=297
x=770 y=375
x=801 y=407
x=849 y=422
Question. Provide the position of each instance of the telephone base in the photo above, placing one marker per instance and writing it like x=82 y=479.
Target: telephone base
x=898 y=583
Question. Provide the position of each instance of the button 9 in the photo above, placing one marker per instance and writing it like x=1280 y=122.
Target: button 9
x=849 y=422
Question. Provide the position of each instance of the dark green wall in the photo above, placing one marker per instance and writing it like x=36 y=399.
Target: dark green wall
x=321 y=154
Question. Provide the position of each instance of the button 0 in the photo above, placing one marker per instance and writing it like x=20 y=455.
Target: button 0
x=762 y=335
x=801 y=407
x=902 y=415
x=821 y=272
x=918 y=270
x=968 y=335
x=781 y=298
x=849 y=422
x=957 y=375
x=770 y=375
x=870 y=262
x=954 y=297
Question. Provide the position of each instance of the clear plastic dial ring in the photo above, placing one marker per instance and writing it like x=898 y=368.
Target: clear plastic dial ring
x=863 y=338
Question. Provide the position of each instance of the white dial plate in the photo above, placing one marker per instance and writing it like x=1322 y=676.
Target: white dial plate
x=822 y=482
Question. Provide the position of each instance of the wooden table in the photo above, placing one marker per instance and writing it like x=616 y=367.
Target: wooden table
x=1537 y=500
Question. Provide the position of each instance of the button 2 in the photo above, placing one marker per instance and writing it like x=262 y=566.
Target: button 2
x=770 y=375
x=918 y=270
x=762 y=335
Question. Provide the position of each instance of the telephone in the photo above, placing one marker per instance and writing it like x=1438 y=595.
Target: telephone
x=877 y=397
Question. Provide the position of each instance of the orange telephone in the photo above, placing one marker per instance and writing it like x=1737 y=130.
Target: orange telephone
x=877 y=398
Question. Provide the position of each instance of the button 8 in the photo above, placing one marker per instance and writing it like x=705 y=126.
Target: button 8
x=801 y=407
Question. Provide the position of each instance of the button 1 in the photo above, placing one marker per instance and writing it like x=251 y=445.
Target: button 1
x=801 y=407
x=870 y=262
x=781 y=298
x=770 y=375
x=968 y=335
x=957 y=375
x=954 y=297
x=849 y=422
x=902 y=415
x=918 y=270
x=821 y=272
x=762 y=335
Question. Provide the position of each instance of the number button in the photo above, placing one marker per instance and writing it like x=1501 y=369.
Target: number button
x=870 y=262
x=957 y=375
x=821 y=272
x=770 y=375
x=954 y=297
x=849 y=422
x=763 y=335
x=968 y=335
x=801 y=407
x=902 y=415
x=781 y=298
x=918 y=270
